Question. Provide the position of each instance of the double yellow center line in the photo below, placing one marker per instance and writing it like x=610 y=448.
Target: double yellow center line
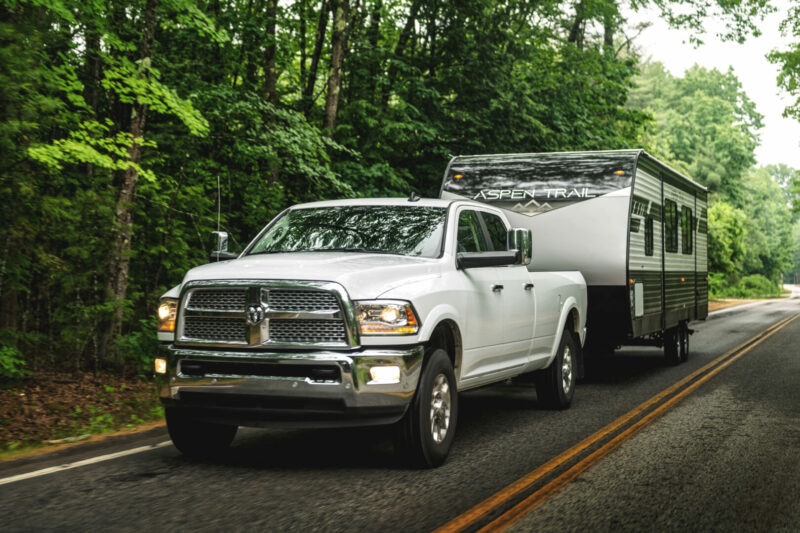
x=510 y=504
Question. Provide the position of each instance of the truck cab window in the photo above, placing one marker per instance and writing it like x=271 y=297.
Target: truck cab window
x=470 y=235
x=498 y=233
x=686 y=230
x=670 y=226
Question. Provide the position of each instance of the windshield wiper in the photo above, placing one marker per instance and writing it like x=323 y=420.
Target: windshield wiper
x=355 y=250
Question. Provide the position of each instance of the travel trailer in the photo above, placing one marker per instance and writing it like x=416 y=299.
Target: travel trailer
x=633 y=226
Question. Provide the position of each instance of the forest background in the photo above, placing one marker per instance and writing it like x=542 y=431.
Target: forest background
x=125 y=125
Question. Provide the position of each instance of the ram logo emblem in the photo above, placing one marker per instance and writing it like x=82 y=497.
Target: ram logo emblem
x=255 y=314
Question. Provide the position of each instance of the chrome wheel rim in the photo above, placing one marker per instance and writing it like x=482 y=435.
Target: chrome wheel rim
x=440 y=408
x=566 y=370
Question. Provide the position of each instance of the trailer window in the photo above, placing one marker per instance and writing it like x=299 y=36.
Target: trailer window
x=686 y=230
x=498 y=234
x=670 y=226
x=648 y=236
x=470 y=235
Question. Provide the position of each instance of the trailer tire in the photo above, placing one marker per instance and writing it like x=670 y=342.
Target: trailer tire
x=684 y=341
x=424 y=436
x=672 y=346
x=198 y=440
x=555 y=385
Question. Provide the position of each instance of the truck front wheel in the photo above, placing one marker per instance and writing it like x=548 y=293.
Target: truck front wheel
x=425 y=434
x=555 y=385
x=198 y=439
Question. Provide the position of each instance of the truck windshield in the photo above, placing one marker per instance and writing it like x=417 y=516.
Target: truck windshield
x=389 y=229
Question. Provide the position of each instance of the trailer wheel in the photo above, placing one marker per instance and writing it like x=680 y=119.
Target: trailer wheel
x=198 y=440
x=673 y=346
x=555 y=385
x=684 y=341
x=425 y=434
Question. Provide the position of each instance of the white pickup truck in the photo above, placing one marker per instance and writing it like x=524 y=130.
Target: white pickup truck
x=366 y=312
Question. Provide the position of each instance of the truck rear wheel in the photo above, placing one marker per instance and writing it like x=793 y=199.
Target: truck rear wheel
x=198 y=439
x=425 y=434
x=555 y=385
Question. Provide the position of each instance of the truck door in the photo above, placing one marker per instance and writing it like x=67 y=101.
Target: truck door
x=519 y=298
x=487 y=349
x=484 y=313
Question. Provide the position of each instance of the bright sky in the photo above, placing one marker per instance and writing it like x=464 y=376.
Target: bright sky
x=780 y=137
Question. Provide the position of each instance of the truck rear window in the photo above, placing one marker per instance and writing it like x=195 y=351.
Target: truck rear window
x=390 y=229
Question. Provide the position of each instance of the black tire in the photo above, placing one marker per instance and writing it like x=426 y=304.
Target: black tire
x=672 y=346
x=425 y=435
x=198 y=440
x=555 y=385
x=683 y=331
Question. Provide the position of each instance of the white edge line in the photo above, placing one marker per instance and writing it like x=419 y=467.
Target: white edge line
x=85 y=462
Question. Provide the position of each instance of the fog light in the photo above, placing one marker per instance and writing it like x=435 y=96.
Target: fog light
x=161 y=366
x=384 y=375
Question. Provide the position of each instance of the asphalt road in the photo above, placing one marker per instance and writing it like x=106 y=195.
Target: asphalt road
x=724 y=458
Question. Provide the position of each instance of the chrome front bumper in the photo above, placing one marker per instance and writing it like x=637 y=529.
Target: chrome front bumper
x=302 y=389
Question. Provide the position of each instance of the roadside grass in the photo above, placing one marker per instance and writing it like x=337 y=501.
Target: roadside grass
x=44 y=411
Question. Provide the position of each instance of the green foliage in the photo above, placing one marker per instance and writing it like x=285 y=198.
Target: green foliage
x=706 y=126
x=12 y=365
x=752 y=286
x=727 y=228
x=232 y=137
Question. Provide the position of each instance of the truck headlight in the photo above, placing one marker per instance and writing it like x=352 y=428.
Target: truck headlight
x=386 y=317
x=167 y=310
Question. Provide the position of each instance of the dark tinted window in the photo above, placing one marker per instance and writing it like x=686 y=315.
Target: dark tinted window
x=470 y=234
x=648 y=236
x=686 y=230
x=357 y=228
x=498 y=233
x=670 y=226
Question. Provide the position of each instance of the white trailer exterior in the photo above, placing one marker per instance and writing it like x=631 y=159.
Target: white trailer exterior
x=633 y=226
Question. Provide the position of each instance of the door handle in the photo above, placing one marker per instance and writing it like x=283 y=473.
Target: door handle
x=497 y=287
x=528 y=286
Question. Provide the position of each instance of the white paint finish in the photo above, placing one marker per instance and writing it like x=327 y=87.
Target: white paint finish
x=497 y=327
x=85 y=462
x=589 y=236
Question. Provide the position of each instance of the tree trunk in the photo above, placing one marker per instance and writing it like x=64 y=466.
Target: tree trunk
x=608 y=27
x=303 y=42
x=322 y=26
x=576 y=32
x=119 y=265
x=270 y=70
x=339 y=9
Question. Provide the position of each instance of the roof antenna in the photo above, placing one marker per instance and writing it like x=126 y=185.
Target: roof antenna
x=413 y=197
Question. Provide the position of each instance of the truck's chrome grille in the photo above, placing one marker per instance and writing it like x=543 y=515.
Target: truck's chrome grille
x=218 y=299
x=312 y=331
x=280 y=313
x=302 y=300
x=215 y=329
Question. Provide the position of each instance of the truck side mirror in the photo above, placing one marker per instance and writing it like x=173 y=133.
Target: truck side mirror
x=221 y=253
x=521 y=240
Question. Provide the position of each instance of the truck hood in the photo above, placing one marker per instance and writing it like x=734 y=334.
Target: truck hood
x=364 y=276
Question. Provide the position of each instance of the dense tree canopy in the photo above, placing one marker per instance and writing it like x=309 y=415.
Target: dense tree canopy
x=127 y=126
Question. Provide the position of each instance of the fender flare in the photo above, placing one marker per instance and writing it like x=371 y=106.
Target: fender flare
x=438 y=315
x=569 y=305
